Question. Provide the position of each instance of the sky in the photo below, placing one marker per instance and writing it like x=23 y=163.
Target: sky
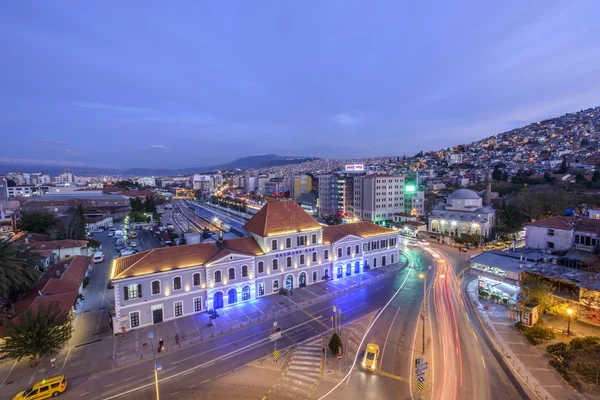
x=180 y=84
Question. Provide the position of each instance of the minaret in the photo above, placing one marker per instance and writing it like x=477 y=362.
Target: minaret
x=488 y=191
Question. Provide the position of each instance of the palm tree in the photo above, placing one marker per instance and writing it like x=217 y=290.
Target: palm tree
x=17 y=272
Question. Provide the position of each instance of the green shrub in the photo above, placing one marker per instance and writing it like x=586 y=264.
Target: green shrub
x=86 y=281
x=557 y=348
x=536 y=334
x=335 y=343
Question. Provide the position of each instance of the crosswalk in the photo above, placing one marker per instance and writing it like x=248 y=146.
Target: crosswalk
x=302 y=333
x=353 y=342
x=302 y=374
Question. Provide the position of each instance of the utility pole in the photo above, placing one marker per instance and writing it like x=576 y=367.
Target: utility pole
x=157 y=366
x=424 y=277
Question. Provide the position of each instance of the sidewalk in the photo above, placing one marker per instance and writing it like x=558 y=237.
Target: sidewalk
x=527 y=361
x=108 y=351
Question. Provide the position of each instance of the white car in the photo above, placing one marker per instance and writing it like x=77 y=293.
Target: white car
x=424 y=242
x=127 y=253
x=98 y=257
x=133 y=244
x=111 y=234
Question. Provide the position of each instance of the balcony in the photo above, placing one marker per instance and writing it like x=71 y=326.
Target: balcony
x=586 y=248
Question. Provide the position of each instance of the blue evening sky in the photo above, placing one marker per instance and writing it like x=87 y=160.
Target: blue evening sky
x=192 y=83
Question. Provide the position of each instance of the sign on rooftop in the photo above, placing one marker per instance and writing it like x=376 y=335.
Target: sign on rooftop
x=355 y=167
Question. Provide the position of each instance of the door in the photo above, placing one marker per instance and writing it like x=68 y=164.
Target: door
x=232 y=294
x=357 y=267
x=246 y=293
x=327 y=273
x=289 y=282
x=157 y=315
x=261 y=289
x=348 y=269
x=218 y=300
x=339 y=271
x=302 y=279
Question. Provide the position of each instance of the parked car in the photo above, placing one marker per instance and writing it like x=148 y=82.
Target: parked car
x=127 y=252
x=133 y=244
x=110 y=285
x=111 y=233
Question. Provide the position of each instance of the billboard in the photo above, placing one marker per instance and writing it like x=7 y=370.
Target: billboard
x=409 y=189
x=355 y=167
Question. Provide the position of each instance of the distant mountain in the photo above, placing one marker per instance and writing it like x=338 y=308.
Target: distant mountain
x=53 y=171
x=262 y=161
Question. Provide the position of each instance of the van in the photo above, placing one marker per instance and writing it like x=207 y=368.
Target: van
x=98 y=257
x=49 y=387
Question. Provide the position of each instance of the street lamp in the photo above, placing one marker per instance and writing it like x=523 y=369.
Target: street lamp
x=424 y=277
x=157 y=366
x=569 y=312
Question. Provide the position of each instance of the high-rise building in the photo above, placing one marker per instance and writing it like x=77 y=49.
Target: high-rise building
x=300 y=184
x=378 y=196
x=66 y=177
x=3 y=190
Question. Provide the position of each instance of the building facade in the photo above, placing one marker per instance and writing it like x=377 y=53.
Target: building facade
x=287 y=249
x=378 y=197
x=3 y=190
x=463 y=213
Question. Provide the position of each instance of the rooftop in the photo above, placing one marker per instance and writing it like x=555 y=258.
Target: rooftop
x=464 y=194
x=278 y=217
x=585 y=279
x=332 y=234
x=59 y=244
x=555 y=223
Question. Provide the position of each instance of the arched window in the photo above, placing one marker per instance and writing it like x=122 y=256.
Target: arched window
x=357 y=249
x=314 y=276
x=340 y=252
x=326 y=255
x=196 y=279
x=313 y=238
x=288 y=262
x=244 y=271
x=302 y=259
x=217 y=276
x=177 y=283
x=155 y=287
x=273 y=244
x=348 y=250
x=288 y=243
x=314 y=256
x=231 y=273
x=261 y=267
x=275 y=265
x=132 y=291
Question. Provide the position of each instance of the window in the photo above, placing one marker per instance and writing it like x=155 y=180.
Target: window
x=275 y=285
x=550 y=245
x=301 y=240
x=132 y=291
x=357 y=249
x=155 y=287
x=273 y=244
x=314 y=256
x=231 y=274
x=217 y=276
x=44 y=389
x=326 y=255
x=314 y=276
x=550 y=232
x=244 y=271
x=177 y=283
x=365 y=246
x=375 y=262
x=288 y=262
x=261 y=267
x=313 y=238
x=178 y=308
x=275 y=266
x=134 y=319
x=197 y=304
x=288 y=243
x=196 y=279
x=340 y=252
x=302 y=259
x=348 y=250
x=383 y=261
x=392 y=259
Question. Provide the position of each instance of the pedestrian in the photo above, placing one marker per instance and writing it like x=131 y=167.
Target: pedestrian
x=291 y=293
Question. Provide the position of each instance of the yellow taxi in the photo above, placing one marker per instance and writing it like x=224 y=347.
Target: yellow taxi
x=133 y=234
x=49 y=387
x=369 y=361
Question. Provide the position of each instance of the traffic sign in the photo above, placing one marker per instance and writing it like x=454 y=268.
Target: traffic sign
x=275 y=353
x=339 y=357
x=275 y=334
x=421 y=385
x=421 y=379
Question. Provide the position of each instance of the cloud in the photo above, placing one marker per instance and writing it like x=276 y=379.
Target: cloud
x=346 y=119
x=156 y=147
x=50 y=163
x=141 y=114
x=73 y=153
x=55 y=142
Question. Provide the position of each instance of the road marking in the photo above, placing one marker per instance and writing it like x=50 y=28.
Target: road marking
x=174 y=393
x=483 y=361
x=193 y=386
x=188 y=372
x=9 y=372
x=205 y=381
x=83 y=394
x=67 y=357
x=474 y=335
x=111 y=384
x=399 y=378
x=128 y=379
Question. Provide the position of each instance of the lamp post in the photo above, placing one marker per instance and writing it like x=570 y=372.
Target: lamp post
x=157 y=366
x=569 y=312
x=424 y=277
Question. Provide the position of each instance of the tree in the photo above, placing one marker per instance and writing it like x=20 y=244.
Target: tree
x=36 y=333
x=37 y=222
x=540 y=291
x=335 y=343
x=564 y=166
x=510 y=218
x=72 y=225
x=17 y=272
x=333 y=219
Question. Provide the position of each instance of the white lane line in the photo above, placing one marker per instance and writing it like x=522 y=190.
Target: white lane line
x=203 y=382
x=128 y=379
x=188 y=372
x=218 y=376
x=83 y=394
x=174 y=393
x=67 y=357
x=9 y=372
x=193 y=386
x=109 y=385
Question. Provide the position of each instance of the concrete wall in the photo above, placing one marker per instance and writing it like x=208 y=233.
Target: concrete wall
x=537 y=237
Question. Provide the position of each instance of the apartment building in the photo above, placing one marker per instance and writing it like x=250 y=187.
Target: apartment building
x=378 y=197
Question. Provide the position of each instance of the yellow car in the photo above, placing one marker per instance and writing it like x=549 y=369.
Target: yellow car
x=49 y=387
x=369 y=362
x=133 y=234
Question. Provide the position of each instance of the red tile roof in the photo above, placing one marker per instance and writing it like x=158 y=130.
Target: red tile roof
x=59 y=244
x=588 y=225
x=171 y=258
x=555 y=223
x=332 y=234
x=277 y=217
